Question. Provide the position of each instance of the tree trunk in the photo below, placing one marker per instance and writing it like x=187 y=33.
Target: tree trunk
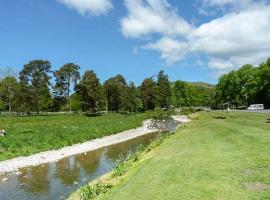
x=37 y=107
x=9 y=106
x=106 y=101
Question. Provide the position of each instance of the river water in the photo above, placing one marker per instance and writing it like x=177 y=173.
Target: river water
x=59 y=179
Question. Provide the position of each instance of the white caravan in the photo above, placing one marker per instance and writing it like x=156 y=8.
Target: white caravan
x=256 y=107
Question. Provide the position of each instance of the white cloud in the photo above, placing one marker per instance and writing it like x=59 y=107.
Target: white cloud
x=230 y=41
x=89 y=7
x=238 y=37
x=220 y=66
x=171 y=50
x=152 y=16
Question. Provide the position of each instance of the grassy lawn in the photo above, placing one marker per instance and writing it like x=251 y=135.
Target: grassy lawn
x=210 y=158
x=28 y=135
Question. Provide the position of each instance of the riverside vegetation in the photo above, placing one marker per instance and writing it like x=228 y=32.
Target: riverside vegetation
x=108 y=181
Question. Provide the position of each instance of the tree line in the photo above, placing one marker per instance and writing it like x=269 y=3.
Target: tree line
x=37 y=88
x=245 y=86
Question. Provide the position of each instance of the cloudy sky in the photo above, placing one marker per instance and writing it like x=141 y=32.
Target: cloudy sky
x=194 y=40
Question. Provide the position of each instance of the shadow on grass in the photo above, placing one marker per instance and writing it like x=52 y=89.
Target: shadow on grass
x=93 y=114
x=219 y=117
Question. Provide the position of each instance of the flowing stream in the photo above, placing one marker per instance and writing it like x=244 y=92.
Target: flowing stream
x=59 y=179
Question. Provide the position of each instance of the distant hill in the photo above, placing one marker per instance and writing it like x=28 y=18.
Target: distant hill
x=201 y=84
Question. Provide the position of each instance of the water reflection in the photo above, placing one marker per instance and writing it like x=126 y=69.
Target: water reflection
x=89 y=162
x=67 y=170
x=35 y=179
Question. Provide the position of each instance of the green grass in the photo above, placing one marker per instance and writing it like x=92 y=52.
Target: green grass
x=33 y=134
x=207 y=159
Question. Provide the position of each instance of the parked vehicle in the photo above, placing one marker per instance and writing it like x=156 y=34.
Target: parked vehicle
x=256 y=107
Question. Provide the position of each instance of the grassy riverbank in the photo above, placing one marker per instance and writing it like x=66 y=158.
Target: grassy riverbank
x=33 y=134
x=217 y=156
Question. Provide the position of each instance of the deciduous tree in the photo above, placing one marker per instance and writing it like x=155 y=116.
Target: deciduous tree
x=115 y=90
x=34 y=84
x=66 y=78
x=89 y=90
x=148 y=93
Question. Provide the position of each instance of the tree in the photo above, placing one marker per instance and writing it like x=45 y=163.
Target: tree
x=249 y=84
x=89 y=90
x=163 y=90
x=229 y=89
x=131 y=101
x=148 y=91
x=114 y=91
x=263 y=93
x=66 y=77
x=34 y=83
x=182 y=94
x=8 y=90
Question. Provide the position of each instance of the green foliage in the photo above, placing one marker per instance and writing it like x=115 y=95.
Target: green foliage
x=131 y=100
x=34 y=82
x=91 y=192
x=163 y=90
x=34 y=92
x=115 y=88
x=120 y=169
x=75 y=103
x=191 y=94
x=245 y=86
x=2 y=105
x=65 y=77
x=148 y=93
x=8 y=89
x=188 y=110
x=182 y=94
x=90 y=91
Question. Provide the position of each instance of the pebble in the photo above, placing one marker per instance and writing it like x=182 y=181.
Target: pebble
x=18 y=173
x=5 y=179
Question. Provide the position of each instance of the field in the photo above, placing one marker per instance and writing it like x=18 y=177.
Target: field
x=33 y=134
x=217 y=156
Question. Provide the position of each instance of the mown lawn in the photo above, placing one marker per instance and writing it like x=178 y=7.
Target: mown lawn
x=210 y=158
x=32 y=134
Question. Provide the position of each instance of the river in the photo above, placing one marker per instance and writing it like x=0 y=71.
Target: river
x=59 y=179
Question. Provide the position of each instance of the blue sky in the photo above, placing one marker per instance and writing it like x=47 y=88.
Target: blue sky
x=190 y=40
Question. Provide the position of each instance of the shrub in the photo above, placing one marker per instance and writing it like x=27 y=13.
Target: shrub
x=187 y=111
x=91 y=192
x=120 y=169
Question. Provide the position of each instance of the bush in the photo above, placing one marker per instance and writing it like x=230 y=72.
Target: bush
x=120 y=169
x=91 y=192
x=187 y=111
